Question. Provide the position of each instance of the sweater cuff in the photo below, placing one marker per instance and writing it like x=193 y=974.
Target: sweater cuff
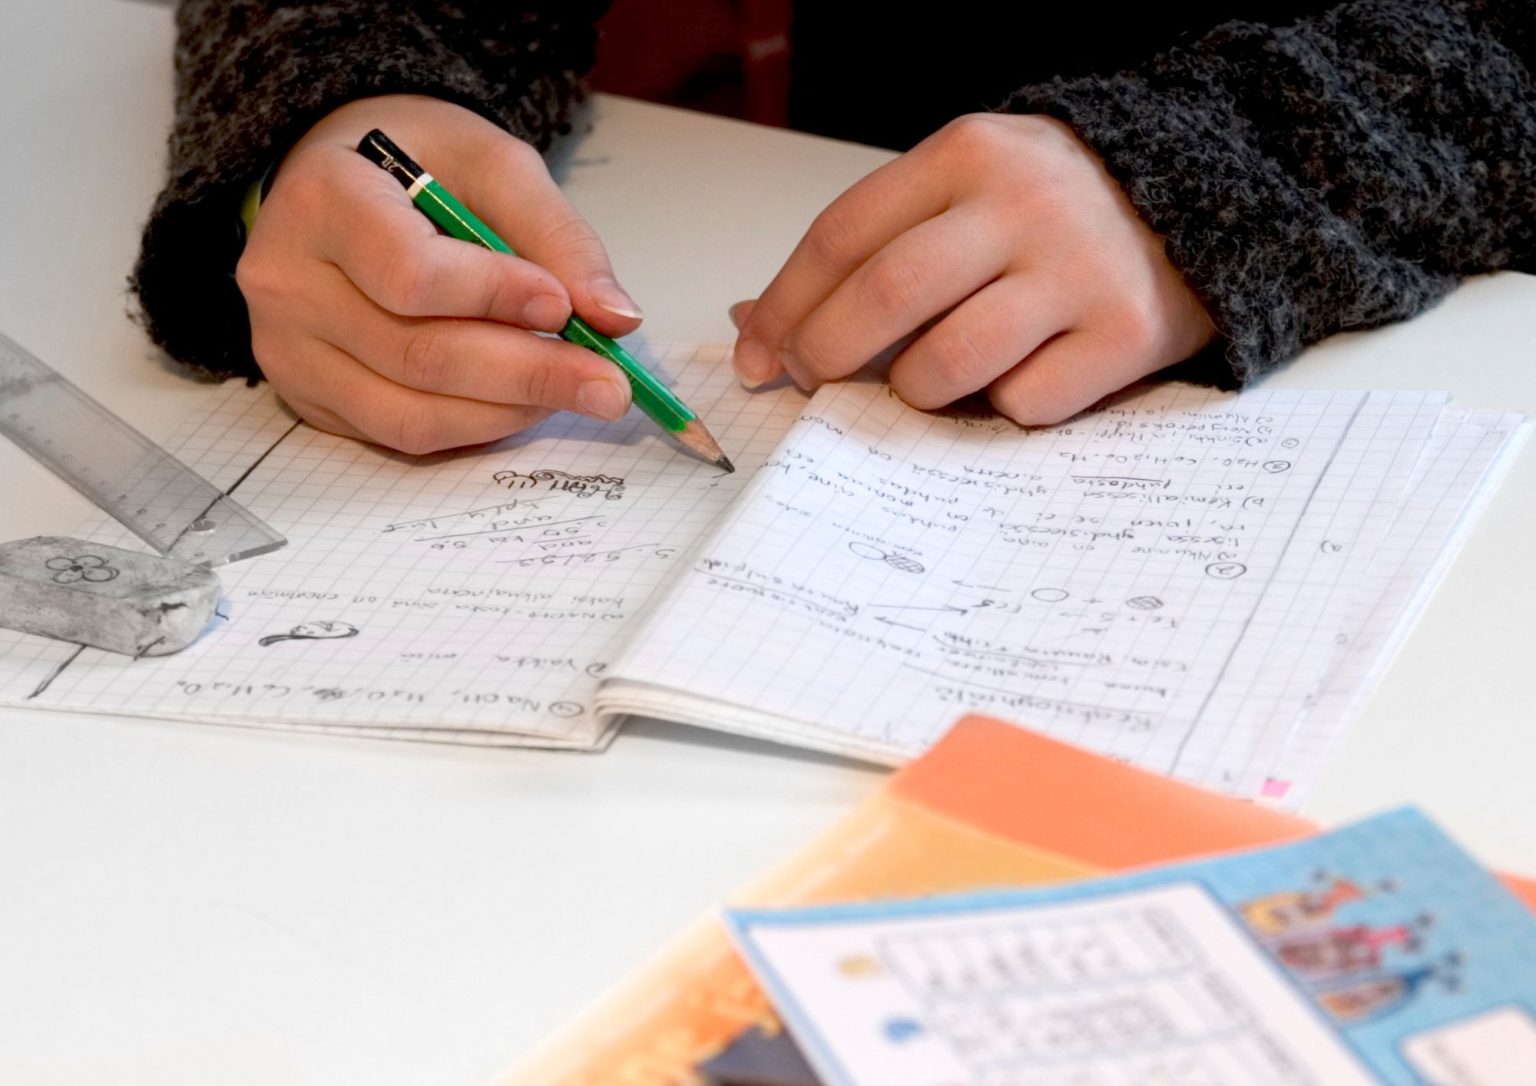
x=245 y=100
x=1291 y=176
x=1236 y=229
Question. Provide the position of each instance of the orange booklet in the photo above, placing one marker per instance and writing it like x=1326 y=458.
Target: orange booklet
x=990 y=805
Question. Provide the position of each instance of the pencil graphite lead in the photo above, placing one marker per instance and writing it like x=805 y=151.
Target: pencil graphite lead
x=698 y=440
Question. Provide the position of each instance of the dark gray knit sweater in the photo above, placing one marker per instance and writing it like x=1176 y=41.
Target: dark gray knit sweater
x=1337 y=173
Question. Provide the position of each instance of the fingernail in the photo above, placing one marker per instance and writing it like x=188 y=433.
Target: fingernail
x=753 y=363
x=735 y=311
x=546 y=312
x=601 y=399
x=608 y=294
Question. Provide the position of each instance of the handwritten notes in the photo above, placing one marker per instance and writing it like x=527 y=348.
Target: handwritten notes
x=1197 y=582
x=1165 y=580
x=469 y=597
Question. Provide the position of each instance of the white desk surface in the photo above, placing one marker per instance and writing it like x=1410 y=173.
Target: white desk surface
x=193 y=904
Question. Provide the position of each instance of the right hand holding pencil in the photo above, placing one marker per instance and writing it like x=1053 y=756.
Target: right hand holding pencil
x=371 y=324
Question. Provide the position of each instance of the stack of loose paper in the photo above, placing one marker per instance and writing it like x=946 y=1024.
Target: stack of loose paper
x=1204 y=584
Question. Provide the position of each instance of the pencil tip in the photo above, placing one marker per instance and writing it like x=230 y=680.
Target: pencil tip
x=696 y=438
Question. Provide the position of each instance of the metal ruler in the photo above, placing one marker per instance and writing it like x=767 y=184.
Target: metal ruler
x=157 y=497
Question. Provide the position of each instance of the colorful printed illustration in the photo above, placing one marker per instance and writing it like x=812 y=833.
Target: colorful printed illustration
x=1296 y=910
x=1345 y=966
x=1375 y=997
x=1340 y=952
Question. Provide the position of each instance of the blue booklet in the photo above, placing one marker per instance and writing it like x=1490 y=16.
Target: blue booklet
x=1379 y=953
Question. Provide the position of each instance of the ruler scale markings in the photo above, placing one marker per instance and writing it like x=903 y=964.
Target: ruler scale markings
x=156 y=496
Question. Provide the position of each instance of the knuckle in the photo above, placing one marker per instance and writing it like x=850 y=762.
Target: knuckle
x=572 y=237
x=416 y=430
x=961 y=361
x=975 y=135
x=813 y=357
x=302 y=191
x=832 y=241
x=1035 y=402
x=406 y=287
x=891 y=285
x=425 y=361
x=1136 y=329
x=250 y=275
x=503 y=295
x=1024 y=408
x=258 y=275
x=513 y=156
x=540 y=385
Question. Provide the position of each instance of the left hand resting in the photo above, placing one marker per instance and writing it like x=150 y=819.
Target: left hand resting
x=1041 y=283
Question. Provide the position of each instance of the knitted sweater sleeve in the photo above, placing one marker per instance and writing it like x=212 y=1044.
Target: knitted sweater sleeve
x=1338 y=173
x=254 y=75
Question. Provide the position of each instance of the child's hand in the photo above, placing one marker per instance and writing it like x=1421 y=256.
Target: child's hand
x=1045 y=287
x=371 y=324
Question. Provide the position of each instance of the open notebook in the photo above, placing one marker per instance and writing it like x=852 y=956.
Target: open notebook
x=1175 y=579
x=1196 y=583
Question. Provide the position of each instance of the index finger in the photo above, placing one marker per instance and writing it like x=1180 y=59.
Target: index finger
x=863 y=220
x=396 y=256
x=512 y=190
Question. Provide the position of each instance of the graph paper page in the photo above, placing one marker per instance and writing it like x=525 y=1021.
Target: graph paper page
x=466 y=596
x=1112 y=581
x=1305 y=620
x=1462 y=466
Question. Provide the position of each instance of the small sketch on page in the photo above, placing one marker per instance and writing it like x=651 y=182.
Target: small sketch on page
x=323 y=630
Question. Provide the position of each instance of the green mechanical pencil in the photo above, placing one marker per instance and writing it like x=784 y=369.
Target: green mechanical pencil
x=456 y=220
